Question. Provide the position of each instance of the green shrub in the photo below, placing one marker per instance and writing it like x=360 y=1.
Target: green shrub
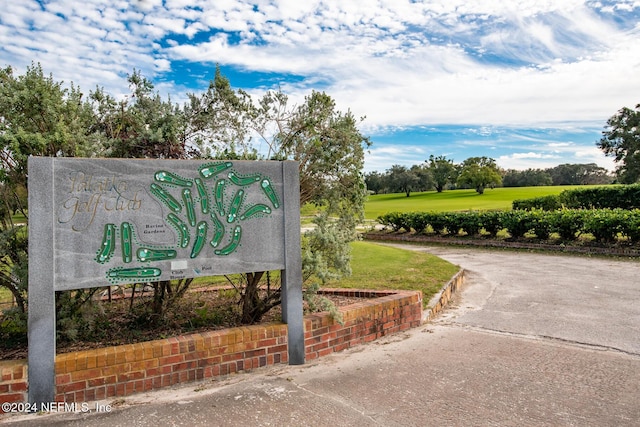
x=603 y=224
x=568 y=223
x=491 y=221
x=540 y=224
x=607 y=197
x=395 y=220
x=517 y=223
x=471 y=223
x=630 y=225
x=546 y=203
x=606 y=225
x=13 y=327
x=438 y=222
x=452 y=222
x=419 y=221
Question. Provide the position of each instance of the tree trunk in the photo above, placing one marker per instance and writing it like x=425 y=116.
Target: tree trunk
x=159 y=292
x=251 y=307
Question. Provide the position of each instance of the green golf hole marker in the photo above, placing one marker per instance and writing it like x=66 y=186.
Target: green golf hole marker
x=235 y=241
x=125 y=242
x=172 y=178
x=200 y=239
x=212 y=169
x=165 y=198
x=204 y=198
x=235 y=206
x=255 y=210
x=243 y=180
x=181 y=227
x=266 y=186
x=188 y=203
x=218 y=234
x=108 y=245
x=148 y=254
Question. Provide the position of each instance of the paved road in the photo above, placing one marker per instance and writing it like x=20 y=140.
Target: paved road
x=533 y=340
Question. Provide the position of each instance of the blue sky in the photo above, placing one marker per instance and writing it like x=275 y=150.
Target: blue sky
x=529 y=83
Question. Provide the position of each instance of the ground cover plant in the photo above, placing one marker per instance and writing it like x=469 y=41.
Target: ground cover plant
x=374 y=267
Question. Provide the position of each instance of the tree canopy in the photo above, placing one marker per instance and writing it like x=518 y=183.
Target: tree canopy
x=441 y=173
x=38 y=117
x=479 y=173
x=621 y=140
x=442 y=170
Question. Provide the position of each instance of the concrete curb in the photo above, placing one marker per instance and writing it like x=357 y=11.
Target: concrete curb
x=440 y=300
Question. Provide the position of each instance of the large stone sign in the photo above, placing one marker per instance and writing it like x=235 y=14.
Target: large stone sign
x=100 y=222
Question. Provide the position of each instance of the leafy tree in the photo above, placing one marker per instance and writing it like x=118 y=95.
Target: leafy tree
x=479 y=173
x=330 y=152
x=442 y=171
x=621 y=140
x=402 y=179
x=594 y=174
x=375 y=182
x=526 y=178
x=142 y=125
x=222 y=121
x=39 y=117
x=425 y=181
x=579 y=174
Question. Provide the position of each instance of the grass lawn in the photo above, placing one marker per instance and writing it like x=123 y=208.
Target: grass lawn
x=5 y=299
x=376 y=266
x=19 y=219
x=380 y=267
x=456 y=200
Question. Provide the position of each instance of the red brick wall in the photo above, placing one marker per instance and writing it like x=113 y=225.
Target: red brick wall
x=364 y=321
x=13 y=385
x=123 y=370
x=119 y=371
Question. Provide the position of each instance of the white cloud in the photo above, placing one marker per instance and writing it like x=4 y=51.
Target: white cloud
x=162 y=65
x=400 y=63
x=530 y=155
x=382 y=157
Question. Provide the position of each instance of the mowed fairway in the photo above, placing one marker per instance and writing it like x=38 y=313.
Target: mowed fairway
x=456 y=200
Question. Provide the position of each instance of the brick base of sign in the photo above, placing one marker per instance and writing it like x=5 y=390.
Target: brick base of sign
x=13 y=385
x=123 y=370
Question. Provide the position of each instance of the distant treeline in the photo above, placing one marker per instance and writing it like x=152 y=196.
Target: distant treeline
x=440 y=173
x=567 y=174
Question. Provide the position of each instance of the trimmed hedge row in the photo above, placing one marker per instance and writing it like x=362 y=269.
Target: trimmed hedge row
x=610 y=197
x=605 y=225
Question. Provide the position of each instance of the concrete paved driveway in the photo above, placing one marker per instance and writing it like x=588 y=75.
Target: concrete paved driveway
x=577 y=299
x=533 y=340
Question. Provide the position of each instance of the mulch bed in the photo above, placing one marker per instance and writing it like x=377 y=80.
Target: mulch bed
x=200 y=310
